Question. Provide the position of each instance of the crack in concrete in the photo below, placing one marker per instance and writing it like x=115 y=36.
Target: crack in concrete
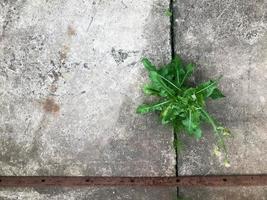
x=171 y=8
x=172 y=43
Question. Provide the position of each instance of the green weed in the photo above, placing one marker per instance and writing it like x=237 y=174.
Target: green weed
x=181 y=105
x=168 y=13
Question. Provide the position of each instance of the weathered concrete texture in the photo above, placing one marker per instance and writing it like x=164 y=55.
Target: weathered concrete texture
x=227 y=38
x=230 y=193
x=88 y=194
x=71 y=80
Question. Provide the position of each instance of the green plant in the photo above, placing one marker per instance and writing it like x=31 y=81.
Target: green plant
x=182 y=105
x=168 y=13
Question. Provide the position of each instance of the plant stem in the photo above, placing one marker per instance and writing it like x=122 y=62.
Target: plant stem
x=215 y=82
x=209 y=119
x=169 y=82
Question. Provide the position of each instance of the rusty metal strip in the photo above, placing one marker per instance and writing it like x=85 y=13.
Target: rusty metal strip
x=184 y=181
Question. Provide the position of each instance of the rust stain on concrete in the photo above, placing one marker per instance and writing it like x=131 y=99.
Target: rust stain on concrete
x=50 y=106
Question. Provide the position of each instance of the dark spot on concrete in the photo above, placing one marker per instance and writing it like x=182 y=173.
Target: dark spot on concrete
x=50 y=106
x=118 y=55
x=132 y=64
x=56 y=75
x=42 y=77
x=52 y=63
x=71 y=31
x=85 y=65
x=53 y=88
x=83 y=92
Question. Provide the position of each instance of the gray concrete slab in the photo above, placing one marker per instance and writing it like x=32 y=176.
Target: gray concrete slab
x=227 y=38
x=70 y=81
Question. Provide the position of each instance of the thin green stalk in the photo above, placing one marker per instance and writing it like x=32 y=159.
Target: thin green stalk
x=169 y=82
x=209 y=119
x=215 y=82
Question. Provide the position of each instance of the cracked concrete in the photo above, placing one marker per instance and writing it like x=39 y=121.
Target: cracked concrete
x=227 y=38
x=71 y=78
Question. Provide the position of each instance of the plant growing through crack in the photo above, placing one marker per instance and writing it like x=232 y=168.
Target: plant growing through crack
x=181 y=105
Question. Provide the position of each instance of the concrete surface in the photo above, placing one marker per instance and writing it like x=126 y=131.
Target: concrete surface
x=227 y=38
x=88 y=194
x=70 y=81
x=225 y=193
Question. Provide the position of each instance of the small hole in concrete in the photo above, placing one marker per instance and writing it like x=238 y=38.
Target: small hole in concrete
x=178 y=180
x=224 y=179
x=87 y=180
x=0 y=180
x=131 y=180
x=43 y=180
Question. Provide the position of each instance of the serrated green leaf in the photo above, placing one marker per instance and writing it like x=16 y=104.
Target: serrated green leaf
x=188 y=93
x=200 y=100
x=148 y=65
x=189 y=71
x=158 y=83
x=178 y=109
x=188 y=123
x=170 y=83
x=150 y=90
x=192 y=123
x=167 y=114
x=146 y=108
x=167 y=71
x=216 y=94
x=173 y=71
x=182 y=101
x=207 y=88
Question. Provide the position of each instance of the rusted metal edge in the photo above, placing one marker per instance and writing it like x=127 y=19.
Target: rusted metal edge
x=184 y=181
